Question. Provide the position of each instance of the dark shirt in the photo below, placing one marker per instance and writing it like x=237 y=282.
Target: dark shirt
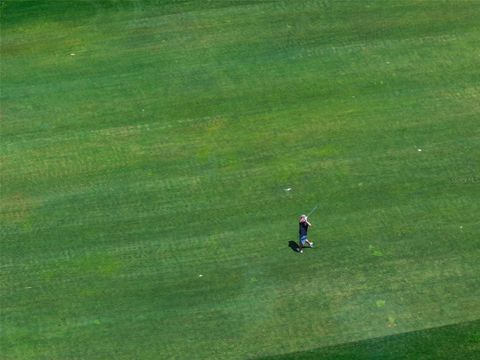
x=302 y=228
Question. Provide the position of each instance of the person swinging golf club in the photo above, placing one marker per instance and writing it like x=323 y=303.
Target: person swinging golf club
x=302 y=233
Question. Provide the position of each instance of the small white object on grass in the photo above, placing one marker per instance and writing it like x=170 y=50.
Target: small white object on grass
x=461 y=227
x=419 y=149
x=72 y=54
x=288 y=189
x=200 y=275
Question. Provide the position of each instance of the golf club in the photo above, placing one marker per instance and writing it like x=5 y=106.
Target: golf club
x=313 y=210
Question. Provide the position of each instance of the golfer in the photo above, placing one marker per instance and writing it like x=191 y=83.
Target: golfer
x=302 y=233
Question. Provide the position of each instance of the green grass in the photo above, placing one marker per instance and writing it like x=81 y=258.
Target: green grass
x=460 y=341
x=146 y=143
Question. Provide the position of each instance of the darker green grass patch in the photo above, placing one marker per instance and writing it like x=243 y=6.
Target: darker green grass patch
x=458 y=341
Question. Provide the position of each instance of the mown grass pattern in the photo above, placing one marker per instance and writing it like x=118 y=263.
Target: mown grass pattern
x=146 y=143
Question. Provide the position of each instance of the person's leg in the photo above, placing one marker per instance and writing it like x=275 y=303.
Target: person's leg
x=310 y=243
x=301 y=242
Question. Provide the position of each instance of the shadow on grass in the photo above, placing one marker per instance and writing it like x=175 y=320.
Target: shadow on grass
x=294 y=246
x=457 y=341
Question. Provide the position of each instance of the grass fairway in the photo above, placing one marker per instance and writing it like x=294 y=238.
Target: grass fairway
x=459 y=341
x=145 y=149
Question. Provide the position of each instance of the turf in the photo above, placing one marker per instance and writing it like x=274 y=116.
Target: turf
x=459 y=341
x=145 y=150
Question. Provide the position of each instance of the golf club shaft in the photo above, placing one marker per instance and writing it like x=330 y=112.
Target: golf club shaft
x=313 y=210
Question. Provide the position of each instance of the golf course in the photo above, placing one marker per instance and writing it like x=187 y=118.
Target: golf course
x=156 y=155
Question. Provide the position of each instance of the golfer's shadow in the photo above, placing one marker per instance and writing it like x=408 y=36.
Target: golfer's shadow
x=294 y=246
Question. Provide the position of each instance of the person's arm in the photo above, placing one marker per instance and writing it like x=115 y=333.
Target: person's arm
x=308 y=223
